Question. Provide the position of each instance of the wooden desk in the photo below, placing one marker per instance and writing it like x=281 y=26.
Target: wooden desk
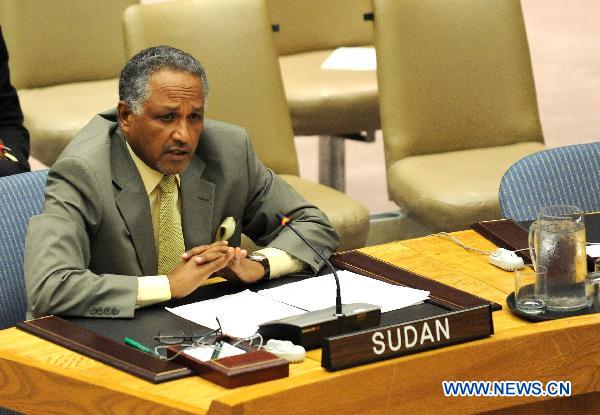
x=38 y=376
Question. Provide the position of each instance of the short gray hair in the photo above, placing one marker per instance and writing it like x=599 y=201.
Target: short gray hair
x=135 y=76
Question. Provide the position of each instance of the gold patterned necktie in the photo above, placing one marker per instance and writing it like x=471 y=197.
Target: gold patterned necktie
x=170 y=236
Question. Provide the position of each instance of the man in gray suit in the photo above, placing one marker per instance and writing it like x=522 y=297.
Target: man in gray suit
x=149 y=200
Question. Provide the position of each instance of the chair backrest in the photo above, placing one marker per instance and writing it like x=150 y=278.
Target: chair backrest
x=63 y=41
x=565 y=175
x=453 y=75
x=233 y=41
x=21 y=197
x=306 y=25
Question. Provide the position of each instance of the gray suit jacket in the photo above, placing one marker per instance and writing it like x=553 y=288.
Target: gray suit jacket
x=95 y=236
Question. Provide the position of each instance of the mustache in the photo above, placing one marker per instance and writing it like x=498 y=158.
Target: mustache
x=185 y=148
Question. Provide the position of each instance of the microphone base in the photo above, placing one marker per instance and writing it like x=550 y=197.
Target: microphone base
x=309 y=329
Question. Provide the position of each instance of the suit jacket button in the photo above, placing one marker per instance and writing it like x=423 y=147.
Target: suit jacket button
x=93 y=309
x=115 y=311
x=106 y=310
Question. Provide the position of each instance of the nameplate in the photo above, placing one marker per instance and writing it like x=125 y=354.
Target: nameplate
x=353 y=349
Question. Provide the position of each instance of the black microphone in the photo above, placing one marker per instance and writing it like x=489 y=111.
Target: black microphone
x=310 y=328
x=286 y=222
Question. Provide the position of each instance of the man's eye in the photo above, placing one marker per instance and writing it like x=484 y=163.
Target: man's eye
x=196 y=116
x=166 y=117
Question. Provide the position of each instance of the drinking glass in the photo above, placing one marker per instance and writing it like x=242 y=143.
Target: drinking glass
x=530 y=289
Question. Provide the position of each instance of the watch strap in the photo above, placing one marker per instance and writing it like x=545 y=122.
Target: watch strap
x=264 y=261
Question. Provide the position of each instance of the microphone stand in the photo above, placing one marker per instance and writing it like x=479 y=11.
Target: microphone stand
x=310 y=328
x=286 y=222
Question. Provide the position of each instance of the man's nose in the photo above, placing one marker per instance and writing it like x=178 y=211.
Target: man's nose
x=182 y=131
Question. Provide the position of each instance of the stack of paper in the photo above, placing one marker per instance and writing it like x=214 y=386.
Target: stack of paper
x=240 y=314
x=318 y=293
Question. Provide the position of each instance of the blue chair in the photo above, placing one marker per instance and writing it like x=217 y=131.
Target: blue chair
x=560 y=176
x=21 y=197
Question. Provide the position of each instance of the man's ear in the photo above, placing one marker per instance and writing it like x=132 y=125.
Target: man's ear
x=124 y=112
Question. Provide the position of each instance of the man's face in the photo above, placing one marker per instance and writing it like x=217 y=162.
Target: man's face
x=165 y=135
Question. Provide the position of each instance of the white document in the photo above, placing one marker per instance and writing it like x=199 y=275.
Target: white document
x=319 y=292
x=240 y=314
x=204 y=352
x=351 y=59
x=593 y=250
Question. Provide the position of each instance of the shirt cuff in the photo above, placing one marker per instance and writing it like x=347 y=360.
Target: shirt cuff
x=281 y=263
x=152 y=289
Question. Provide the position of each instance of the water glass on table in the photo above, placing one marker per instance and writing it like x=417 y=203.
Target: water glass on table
x=557 y=242
x=530 y=289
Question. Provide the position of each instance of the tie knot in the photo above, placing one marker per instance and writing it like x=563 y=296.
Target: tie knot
x=167 y=183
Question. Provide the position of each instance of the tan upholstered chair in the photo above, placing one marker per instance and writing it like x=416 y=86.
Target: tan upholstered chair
x=65 y=56
x=458 y=104
x=232 y=39
x=327 y=103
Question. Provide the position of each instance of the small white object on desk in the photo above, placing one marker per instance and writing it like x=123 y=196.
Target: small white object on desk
x=505 y=259
x=286 y=350
x=204 y=352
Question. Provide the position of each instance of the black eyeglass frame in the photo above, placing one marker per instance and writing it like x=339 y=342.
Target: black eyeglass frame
x=195 y=340
x=218 y=332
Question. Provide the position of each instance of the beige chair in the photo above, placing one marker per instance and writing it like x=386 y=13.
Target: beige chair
x=232 y=39
x=65 y=56
x=332 y=104
x=458 y=104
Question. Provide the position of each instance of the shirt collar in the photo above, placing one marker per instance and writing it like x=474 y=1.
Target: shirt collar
x=150 y=177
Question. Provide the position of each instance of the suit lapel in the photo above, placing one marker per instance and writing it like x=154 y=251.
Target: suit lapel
x=197 y=205
x=132 y=202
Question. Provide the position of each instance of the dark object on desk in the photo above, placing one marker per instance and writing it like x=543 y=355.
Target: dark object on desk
x=309 y=329
x=505 y=233
x=441 y=295
x=415 y=336
x=508 y=234
x=234 y=371
x=103 y=349
x=147 y=323
x=548 y=315
x=592 y=227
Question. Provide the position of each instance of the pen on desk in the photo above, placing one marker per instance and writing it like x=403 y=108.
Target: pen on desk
x=130 y=342
x=217 y=350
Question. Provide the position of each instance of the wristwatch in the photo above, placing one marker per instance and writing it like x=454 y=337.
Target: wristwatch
x=264 y=261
